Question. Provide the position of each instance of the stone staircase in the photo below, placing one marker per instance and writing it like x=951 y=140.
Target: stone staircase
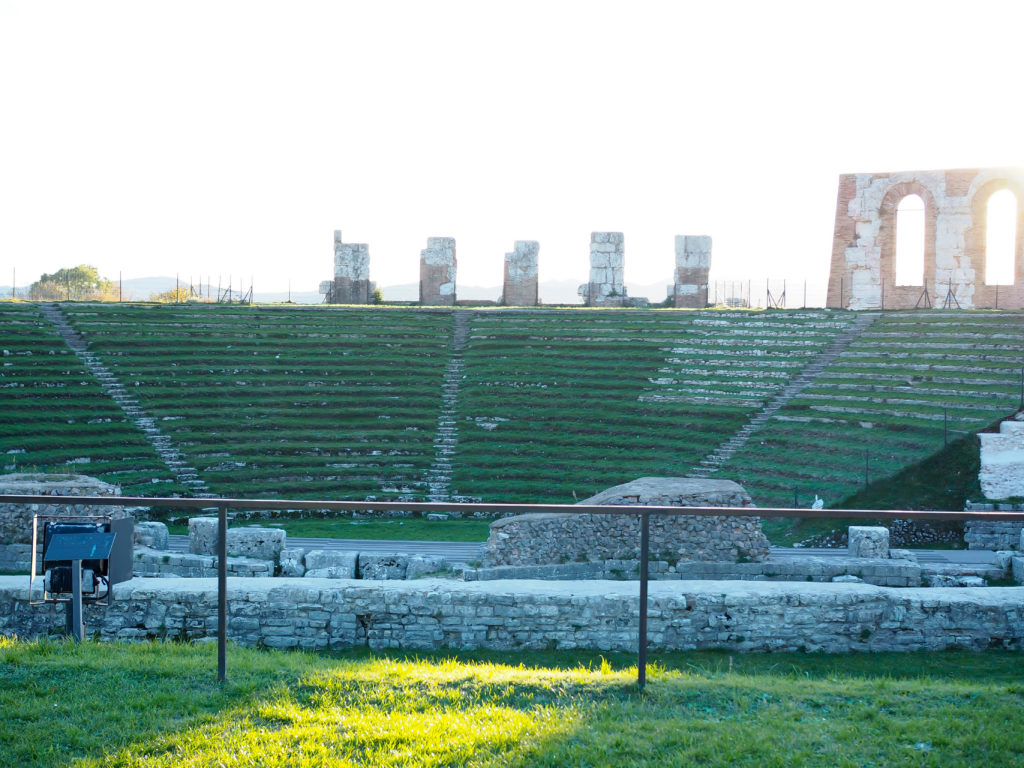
x=714 y=460
x=165 y=449
x=439 y=476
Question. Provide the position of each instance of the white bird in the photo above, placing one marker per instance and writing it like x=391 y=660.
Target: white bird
x=819 y=503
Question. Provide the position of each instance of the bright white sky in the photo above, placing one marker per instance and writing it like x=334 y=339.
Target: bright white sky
x=233 y=137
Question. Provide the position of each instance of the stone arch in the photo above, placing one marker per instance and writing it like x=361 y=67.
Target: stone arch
x=975 y=237
x=895 y=296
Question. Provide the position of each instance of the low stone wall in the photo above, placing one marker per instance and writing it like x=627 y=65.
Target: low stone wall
x=994 y=536
x=16 y=519
x=539 y=539
x=880 y=572
x=434 y=614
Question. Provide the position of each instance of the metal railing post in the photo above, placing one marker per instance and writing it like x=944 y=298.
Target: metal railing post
x=645 y=546
x=222 y=592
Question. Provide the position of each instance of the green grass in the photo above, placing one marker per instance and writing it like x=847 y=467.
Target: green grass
x=400 y=529
x=158 y=705
x=943 y=481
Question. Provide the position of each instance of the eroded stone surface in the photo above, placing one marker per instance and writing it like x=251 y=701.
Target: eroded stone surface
x=868 y=541
x=554 y=538
x=520 y=287
x=430 y=614
x=1002 y=461
x=693 y=264
x=331 y=564
x=151 y=534
x=351 y=284
x=437 y=272
x=16 y=519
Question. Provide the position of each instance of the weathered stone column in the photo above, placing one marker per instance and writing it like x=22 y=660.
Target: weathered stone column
x=437 y=272
x=520 y=289
x=693 y=264
x=606 y=288
x=351 y=272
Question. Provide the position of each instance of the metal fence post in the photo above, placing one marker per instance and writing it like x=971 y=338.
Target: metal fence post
x=222 y=592
x=645 y=546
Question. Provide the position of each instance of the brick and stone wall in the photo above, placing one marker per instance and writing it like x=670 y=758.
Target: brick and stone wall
x=520 y=286
x=432 y=614
x=536 y=539
x=863 y=271
x=16 y=519
x=693 y=264
x=606 y=287
x=351 y=283
x=437 y=272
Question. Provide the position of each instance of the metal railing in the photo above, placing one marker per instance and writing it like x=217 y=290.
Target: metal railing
x=221 y=506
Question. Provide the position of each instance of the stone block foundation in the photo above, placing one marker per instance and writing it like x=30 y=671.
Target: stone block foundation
x=431 y=614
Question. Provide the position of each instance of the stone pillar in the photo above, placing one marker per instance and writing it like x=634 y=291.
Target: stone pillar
x=606 y=259
x=351 y=273
x=520 y=289
x=437 y=272
x=867 y=541
x=693 y=263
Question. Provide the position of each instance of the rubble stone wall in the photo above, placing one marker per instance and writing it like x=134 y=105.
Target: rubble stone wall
x=863 y=271
x=16 y=519
x=431 y=614
x=538 y=539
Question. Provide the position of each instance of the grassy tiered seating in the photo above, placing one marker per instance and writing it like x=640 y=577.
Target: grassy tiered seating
x=886 y=400
x=56 y=418
x=559 y=405
x=284 y=402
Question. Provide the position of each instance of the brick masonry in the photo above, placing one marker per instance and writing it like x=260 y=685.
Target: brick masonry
x=351 y=284
x=520 y=285
x=437 y=272
x=693 y=264
x=863 y=270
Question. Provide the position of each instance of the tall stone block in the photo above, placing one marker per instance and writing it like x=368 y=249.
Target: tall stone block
x=520 y=289
x=606 y=287
x=351 y=284
x=693 y=264
x=1002 y=461
x=437 y=272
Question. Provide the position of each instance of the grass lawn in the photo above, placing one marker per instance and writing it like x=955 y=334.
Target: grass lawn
x=158 y=705
x=394 y=529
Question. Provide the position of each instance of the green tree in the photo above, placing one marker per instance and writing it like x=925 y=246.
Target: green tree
x=173 y=296
x=81 y=283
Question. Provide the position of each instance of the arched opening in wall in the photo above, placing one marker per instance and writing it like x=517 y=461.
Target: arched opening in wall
x=910 y=241
x=1000 y=237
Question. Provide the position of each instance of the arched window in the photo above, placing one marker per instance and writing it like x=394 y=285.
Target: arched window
x=1000 y=237
x=910 y=241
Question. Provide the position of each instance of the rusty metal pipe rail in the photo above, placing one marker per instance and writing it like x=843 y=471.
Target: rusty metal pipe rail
x=645 y=513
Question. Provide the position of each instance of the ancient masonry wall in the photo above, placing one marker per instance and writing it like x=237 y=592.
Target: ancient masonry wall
x=693 y=264
x=1002 y=461
x=546 y=538
x=351 y=272
x=863 y=271
x=606 y=287
x=437 y=272
x=431 y=614
x=520 y=286
x=16 y=519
